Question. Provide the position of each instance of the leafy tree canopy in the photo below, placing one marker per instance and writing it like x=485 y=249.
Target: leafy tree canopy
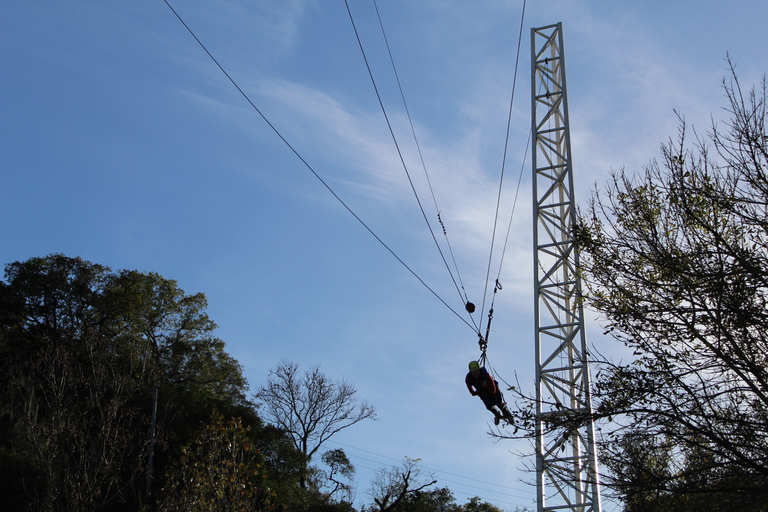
x=82 y=350
x=676 y=261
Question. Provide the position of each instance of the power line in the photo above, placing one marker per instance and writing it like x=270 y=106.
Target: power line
x=525 y=153
x=485 y=482
x=494 y=500
x=444 y=480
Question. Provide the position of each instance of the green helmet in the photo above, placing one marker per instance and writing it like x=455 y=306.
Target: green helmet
x=473 y=366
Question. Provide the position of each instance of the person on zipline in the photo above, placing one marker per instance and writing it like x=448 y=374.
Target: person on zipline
x=480 y=383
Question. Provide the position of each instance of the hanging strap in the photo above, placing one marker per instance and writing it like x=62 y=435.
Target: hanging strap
x=483 y=341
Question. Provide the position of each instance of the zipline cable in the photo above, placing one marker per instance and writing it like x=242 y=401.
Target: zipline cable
x=306 y=164
x=514 y=203
x=421 y=158
x=397 y=146
x=484 y=341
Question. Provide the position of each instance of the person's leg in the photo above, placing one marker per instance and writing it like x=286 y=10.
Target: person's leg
x=501 y=404
x=490 y=403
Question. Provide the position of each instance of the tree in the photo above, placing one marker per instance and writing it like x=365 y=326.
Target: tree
x=81 y=350
x=676 y=262
x=283 y=465
x=390 y=488
x=339 y=475
x=219 y=471
x=311 y=408
x=436 y=500
x=475 y=505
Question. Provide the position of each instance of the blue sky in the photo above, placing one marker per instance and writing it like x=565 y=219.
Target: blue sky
x=121 y=142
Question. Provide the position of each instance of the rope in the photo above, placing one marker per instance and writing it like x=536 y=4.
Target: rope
x=493 y=372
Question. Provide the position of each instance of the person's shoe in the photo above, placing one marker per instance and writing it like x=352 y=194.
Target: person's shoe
x=496 y=420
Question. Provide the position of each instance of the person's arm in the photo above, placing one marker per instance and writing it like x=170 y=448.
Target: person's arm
x=469 y=386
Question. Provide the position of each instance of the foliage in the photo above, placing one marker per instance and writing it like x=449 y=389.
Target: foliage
x=403 y=489
x=436 y=500
x=339 y=475
x=676 y=261
x=311 y=408
x=69 y=393
x=84 y=354
x=220 y=471
x=81 y=350
x=475 y=505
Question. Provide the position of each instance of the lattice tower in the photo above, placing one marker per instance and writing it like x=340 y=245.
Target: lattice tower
x=566 y=460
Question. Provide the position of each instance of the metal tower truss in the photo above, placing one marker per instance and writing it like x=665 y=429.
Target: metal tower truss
x=566 y=462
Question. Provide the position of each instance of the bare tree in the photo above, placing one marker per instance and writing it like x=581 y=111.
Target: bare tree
x=390 y=487
x=311 y=408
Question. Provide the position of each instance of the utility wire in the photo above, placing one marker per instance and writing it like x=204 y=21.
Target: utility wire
x=484 y=498
x=306 y=164
x=397 y=146
x=425 y=467
x=437 y=471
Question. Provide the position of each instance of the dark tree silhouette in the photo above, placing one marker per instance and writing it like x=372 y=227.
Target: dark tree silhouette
x=676 y=262
x=81 y=350
x=390 y=487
